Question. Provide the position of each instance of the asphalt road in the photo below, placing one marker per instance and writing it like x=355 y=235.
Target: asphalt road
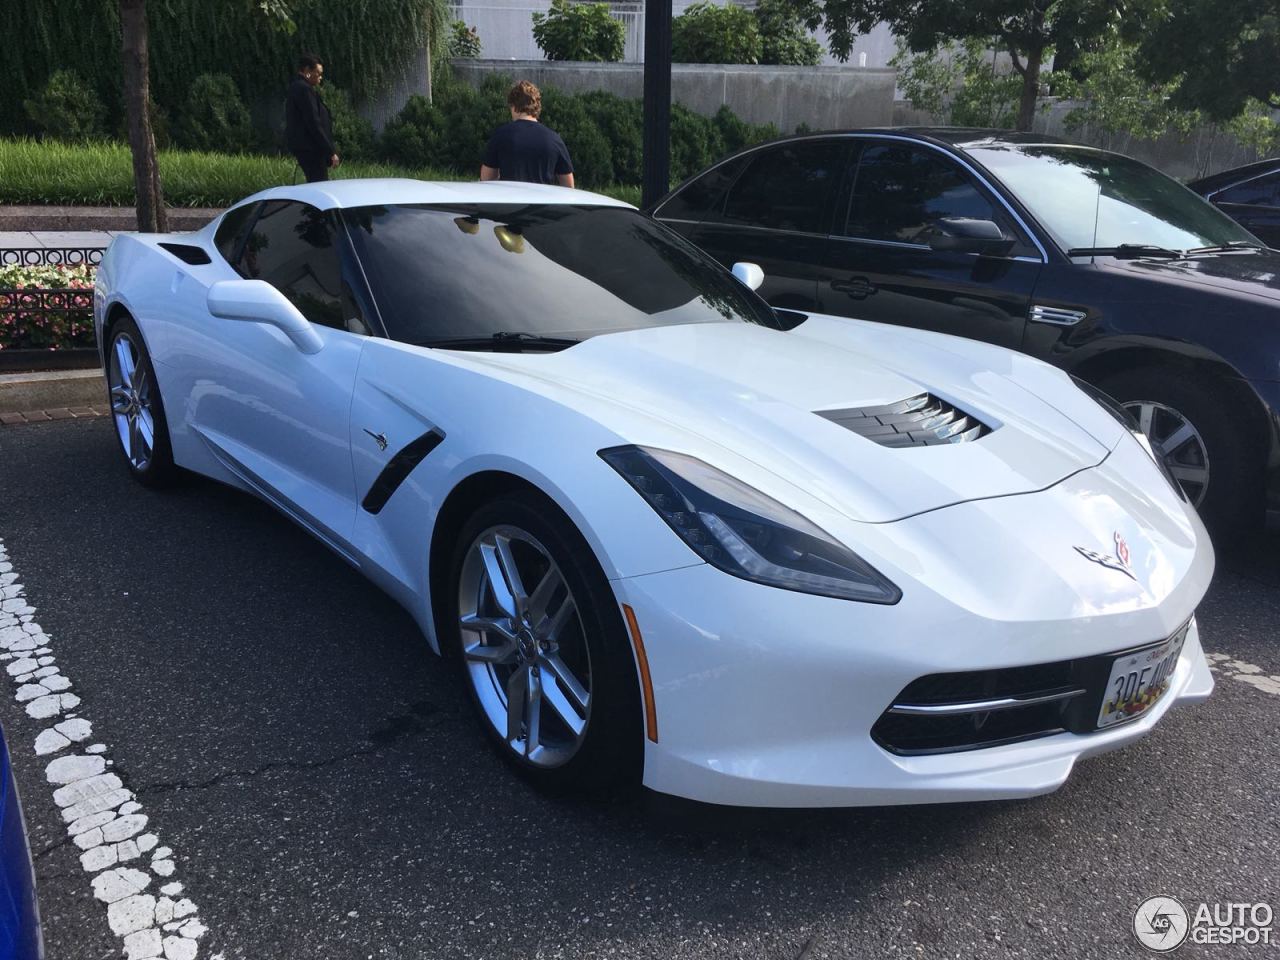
x=327 y=794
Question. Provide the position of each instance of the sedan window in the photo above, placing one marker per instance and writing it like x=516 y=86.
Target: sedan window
x=901 y=191
x=293 y=247
x=788 y=187
x=704 y=197
x=1258 y=192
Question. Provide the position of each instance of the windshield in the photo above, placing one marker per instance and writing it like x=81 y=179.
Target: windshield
x=476 y=271
x=1089 y=199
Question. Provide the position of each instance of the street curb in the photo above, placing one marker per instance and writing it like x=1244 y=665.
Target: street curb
x=91 y=219
x=51 y=390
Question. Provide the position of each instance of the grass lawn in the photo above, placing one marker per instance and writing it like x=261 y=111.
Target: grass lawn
x=101 y=174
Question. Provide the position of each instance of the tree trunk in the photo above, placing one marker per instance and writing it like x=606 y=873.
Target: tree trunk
x=1030 y=88
x=137 y=98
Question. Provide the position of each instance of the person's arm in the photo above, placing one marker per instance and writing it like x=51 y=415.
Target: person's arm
x=565 y=179
x=491 y=162
x=489 y=173
x=564 y=166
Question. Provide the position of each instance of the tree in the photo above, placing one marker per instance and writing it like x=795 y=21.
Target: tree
x=137 y=100
x=1222 y=53
x=1027 y=30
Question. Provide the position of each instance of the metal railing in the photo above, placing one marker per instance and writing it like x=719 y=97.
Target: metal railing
x=51 y=256
x=47 y=327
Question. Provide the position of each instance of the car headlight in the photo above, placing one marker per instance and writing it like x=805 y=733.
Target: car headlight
x=739 y=530
x=1113 y=407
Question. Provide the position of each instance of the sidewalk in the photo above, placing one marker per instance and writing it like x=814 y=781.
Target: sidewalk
x=43 y=219
x=44 y=239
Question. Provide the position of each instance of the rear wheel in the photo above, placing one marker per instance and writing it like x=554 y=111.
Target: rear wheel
x=136 y=407
x=542 y=647
x=1207 y=446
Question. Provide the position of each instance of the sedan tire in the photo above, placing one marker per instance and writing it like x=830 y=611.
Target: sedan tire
x=137 y=408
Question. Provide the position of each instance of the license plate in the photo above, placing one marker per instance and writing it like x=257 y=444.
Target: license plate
x=1139 y=680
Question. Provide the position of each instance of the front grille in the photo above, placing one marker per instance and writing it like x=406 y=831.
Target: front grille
x=920 y=421
x=949 y=712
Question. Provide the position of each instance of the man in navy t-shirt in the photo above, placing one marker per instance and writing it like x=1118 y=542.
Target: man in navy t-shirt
x=524 y=149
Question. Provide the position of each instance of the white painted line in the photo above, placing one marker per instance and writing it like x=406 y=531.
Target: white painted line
x=1248 y=673
x=103 y=818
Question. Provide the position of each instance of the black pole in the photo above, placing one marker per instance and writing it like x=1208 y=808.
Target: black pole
x=657 y=101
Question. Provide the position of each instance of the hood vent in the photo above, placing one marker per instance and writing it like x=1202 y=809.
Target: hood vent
x=920 y=421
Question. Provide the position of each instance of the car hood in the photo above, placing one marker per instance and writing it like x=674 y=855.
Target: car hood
x=1244 y=274
x=741 y=391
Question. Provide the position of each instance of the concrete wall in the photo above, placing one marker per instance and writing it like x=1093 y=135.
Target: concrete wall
x=1203 y=152
x=825 y=98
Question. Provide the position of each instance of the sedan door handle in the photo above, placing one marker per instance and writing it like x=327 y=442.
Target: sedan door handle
x=858 y=288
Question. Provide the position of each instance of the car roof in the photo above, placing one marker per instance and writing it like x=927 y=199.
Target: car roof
x=1235 y=174
x=338 y=194
x=958 y=137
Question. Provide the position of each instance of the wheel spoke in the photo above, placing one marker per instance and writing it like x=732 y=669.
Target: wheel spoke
x=146 y=433
x=511 y=573
x=533 y=711
x=1146 y=413
x=542 y=594
x=135 y=442
x=124 y=360
x=560 y=670
x=552 y=694
x=1178 y=438
x=140 y=383
x=551 y=627
x=499 y=625
x=496 y=654
x=502 y=594
x=119 y=399
x=1189 y=474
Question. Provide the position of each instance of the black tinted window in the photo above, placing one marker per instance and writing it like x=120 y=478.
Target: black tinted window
x=444 y=271
x=787 y=187
x=293 y=247
x=705 y=196
x=900 y=191
x=230 y=233
x=1257 y=192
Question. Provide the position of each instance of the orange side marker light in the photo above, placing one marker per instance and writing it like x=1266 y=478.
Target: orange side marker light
x=646 y=684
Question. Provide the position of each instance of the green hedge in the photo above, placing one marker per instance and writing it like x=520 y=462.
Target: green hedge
x=33 y=172
x=602 y=131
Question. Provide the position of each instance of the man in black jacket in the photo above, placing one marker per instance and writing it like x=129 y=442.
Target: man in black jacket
x=308 y=128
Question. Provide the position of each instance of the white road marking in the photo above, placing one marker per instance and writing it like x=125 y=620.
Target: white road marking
x=1248 y=673
x=103 y=818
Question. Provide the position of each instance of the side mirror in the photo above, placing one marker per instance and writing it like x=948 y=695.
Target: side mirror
x=749 y=275
x=962 y=235
x=260 y=302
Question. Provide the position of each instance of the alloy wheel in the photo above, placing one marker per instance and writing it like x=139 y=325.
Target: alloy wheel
x=524 y=647
x=131 y=401
x=1175 y=438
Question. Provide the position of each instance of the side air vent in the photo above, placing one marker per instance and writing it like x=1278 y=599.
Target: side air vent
x=187 y=253
x=921 y=421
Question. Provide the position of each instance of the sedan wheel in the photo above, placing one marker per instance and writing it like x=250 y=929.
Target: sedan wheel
x=1175 y=438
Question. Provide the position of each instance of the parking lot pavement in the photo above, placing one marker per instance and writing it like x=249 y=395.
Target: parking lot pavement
x=323 y=791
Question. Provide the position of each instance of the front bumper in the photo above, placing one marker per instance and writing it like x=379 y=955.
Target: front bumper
x=765 y=697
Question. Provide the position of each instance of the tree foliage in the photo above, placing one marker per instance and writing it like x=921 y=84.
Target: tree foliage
x=783 y=37
x=959 y=83
x=1028 y=30
x=67 y=109
x=1221 y=53
x=579 y=31
x=707 y=33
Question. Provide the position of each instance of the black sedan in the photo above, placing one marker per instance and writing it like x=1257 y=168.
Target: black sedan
x=1250 y=195
x=1081 y=257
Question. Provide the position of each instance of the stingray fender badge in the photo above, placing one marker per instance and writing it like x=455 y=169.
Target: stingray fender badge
x=1120 y=562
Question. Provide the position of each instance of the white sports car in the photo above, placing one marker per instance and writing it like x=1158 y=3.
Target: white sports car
x=670 y=536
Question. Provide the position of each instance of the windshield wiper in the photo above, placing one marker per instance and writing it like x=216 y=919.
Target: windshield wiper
x=1127 y=251
x=506 y=340
x=1233 y=246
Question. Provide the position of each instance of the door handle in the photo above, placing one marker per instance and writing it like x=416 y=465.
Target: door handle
x=857 y=288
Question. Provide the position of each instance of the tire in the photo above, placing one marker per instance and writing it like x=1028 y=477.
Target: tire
x=137 y=408
x=569 y=642
x=1230 y=498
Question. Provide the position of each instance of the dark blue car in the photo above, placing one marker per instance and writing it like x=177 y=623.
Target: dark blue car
x=19 y=914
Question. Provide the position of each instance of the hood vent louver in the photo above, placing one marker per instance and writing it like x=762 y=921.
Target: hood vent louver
x=920 y=421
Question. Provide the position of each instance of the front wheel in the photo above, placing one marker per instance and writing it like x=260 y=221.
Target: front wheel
x=1207 y=448
x=543 y=650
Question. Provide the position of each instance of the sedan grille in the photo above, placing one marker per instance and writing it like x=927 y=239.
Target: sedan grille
x=919 y=421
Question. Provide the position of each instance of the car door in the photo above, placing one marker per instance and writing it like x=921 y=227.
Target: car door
x=772 y=207
x=274 y=416
x=879 y=265
x=1255 y=205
